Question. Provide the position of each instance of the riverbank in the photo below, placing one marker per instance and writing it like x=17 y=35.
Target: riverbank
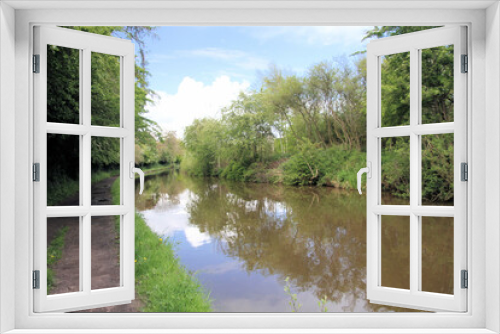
x=162 y=283
x=337 y=167
x=311 y=166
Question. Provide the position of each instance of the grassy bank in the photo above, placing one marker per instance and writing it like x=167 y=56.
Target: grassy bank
x=311 y=166
x=337 y=167
x=54 y=254
x=162 y=282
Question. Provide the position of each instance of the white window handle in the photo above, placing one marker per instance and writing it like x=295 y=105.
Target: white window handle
x=134 y=170
x=368 y=171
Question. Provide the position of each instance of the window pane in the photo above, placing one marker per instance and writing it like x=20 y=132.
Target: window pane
x=63 y=170
x=437 y=169
x=105 y=236
x=437 y=84
x=63 y=85
x=437 y=254
x=395 y=89
x=105 y=89
x=395 y=171
x=105 y=170
x=395 y=241
x=63 y=255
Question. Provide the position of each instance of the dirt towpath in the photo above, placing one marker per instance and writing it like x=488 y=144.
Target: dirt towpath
x=105 y=251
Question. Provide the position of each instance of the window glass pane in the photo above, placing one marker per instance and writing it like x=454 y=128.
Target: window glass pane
x=105 y=239
x=105 y=89
x=395 y=171
x=395 y=241
x=63 y=255
x=395 y=89
x=105 y=170
x=437 y=84
x=63 y=170
x=437 y=169
x=437 y=254
x=63 y=85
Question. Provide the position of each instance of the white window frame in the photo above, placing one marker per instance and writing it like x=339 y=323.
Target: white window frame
x=483 y=20
x=413 y=44
x=85 y=43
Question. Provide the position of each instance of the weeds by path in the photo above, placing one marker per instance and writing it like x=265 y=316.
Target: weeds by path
x=54 y=254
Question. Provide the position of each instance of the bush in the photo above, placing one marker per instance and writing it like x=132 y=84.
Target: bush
x=235 y=171
x=335 y=166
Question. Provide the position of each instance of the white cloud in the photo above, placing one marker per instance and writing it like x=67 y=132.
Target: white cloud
x=322 y=35
x=194 y=100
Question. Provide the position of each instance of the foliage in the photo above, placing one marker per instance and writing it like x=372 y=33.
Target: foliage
x=63 y=187
x=169 y=148
x=54 y=254
x=322 y=304
x=294 y=303
x=396 y=166
x=335 y=166
x=437 y=106
x=202 y=140
x=310 y=129
x=63 y=106
x=437 y=167
x=162 y=282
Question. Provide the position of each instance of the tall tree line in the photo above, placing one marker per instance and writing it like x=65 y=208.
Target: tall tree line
x=314 y=126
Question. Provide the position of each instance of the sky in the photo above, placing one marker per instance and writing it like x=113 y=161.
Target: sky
x=196 y=71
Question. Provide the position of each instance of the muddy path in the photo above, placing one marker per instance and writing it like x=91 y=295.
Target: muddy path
x=105 y=251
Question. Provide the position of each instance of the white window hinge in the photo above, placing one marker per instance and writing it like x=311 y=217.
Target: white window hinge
x=465 y=64
x=36 y=63
x=465 y=279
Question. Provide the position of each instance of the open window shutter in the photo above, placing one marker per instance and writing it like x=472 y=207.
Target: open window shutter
x=83 y=292
x=415 y=293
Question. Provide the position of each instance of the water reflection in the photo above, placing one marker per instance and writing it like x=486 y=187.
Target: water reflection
x=243 y=240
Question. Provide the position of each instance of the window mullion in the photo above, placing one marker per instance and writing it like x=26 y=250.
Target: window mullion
x=85 y=160
x=414 y=171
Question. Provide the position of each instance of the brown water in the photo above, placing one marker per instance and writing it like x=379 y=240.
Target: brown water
x=244 y=240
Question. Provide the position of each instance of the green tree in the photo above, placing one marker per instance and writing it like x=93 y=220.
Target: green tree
x=203 y=143
x=437 y=99
x=63 y=103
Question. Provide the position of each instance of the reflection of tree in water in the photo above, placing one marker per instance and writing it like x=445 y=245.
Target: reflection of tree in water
x=159 y=193
x=315 y=236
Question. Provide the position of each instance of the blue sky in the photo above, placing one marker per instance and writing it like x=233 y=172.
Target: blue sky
x=198 y=70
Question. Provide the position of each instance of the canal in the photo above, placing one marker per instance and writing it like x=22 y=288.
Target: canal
x=247 y=243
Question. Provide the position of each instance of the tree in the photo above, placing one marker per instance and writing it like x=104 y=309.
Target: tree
x=437 y=98
x=63 y=102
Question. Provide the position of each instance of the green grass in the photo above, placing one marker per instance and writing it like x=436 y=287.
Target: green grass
x=162 y=282
x=54 y=254
x=65 y=187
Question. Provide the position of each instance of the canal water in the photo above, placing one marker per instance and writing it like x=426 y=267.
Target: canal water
x=247 y=243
